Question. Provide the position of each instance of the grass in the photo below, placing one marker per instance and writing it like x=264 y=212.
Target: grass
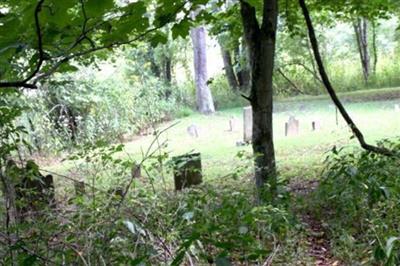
x=297 y=157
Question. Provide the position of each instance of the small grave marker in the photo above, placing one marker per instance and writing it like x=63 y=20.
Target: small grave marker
x=193 y=131
x=187 y=170
x=397 y=108
x=247 y=124
x=292 y=127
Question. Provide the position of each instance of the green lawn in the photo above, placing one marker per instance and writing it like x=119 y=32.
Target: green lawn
x=297 y=157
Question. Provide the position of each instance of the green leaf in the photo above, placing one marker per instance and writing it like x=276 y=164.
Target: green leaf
x=390 y=245
x=158 y=38
x=181 y=29
x=97 y=8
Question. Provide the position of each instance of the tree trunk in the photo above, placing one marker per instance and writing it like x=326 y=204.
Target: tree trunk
x=229 y=71
x=361 y=30
x=261 y=44
x=374 y=47
x=205 y=104
x=168 y=69
x=243 y=75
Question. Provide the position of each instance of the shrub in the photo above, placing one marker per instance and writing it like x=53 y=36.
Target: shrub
x=359 y=198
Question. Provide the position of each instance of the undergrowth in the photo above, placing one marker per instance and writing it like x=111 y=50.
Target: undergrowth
x=358 y=201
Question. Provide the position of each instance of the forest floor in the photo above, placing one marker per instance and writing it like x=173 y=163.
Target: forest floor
x=317 y=239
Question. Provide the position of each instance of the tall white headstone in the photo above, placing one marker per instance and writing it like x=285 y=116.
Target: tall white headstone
x=247 y=124
x=292 y=127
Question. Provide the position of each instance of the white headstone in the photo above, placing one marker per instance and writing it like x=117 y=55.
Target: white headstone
x=247 y=124
x=292 y=127
x=397 y=107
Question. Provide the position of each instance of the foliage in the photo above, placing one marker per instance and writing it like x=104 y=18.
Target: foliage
x=149 y=225
x=223 y=95
x=358 y=198
x=84 y=107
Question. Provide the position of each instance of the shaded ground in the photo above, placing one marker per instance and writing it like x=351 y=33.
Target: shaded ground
x=319 y=246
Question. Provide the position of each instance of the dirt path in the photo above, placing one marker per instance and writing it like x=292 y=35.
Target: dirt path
x=319 y=247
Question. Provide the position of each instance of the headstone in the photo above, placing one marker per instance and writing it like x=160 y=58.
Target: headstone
x=247 y=124
x=292 y=127
x=187 y=170
x=193 y=131
x=316 y=125
x=33 y=191
x=397 y=108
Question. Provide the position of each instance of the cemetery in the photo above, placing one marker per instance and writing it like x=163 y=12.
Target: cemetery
x=224 y=132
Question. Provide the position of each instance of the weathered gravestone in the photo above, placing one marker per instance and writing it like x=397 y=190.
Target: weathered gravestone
x=193 y=131
x=187 y=170
x=397 y=108
x=28 y=190
x=247 y=124
x=292 y=127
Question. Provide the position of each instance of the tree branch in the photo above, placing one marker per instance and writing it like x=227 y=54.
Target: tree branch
x=24 y=83
x=32 y=79
x=289 y=81
x=324 y=76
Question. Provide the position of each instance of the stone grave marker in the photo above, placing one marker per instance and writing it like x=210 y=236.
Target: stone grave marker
x=193 y=131
x=397 y=108
x=292 y=127
x=247 y=124
x=187 y=170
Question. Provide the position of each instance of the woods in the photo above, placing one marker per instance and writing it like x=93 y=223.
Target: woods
x=199 y=132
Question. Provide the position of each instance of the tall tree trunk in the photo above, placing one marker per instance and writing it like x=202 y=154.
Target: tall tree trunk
x=168 y=69
x=361 y=30
x=205 y=104
x=374 y=47
x=261 y=44
x=229 y=71
x=243 y=75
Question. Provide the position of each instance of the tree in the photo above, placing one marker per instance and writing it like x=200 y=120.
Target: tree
x=261 y=42
x=229 y=69
x=205 y=104
x=361 y=32
x=39 y=38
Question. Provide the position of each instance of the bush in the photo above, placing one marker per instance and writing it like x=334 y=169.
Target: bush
x=149 y=225
x=359 y=198
x=223 y=95
x=81 y=107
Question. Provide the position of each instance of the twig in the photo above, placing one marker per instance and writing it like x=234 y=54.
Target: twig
x=289 y=81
